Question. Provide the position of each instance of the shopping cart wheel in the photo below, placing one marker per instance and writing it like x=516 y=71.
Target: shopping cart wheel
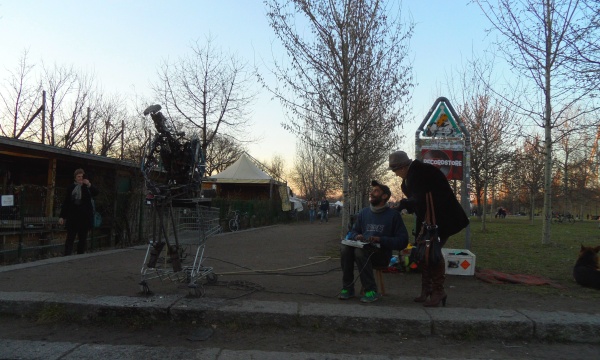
x=196 y=291
x=144 y=288
x=211 y=278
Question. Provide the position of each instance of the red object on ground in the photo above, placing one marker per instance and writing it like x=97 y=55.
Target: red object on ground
x=497 y=277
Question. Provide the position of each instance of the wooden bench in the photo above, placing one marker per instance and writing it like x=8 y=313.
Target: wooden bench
x=10 y=224
x=34 y=228
x=40 y=222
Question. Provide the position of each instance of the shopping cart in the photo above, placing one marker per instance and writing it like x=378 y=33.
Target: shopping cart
x=180 y=229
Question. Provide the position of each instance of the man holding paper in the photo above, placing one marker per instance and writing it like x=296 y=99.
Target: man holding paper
x=376 y=224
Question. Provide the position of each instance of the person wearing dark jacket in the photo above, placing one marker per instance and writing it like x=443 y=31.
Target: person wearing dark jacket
x=324 y=207
x=77 y=212
x=378 y=225
x=419 y=178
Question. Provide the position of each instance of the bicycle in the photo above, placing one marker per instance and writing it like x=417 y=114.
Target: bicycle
x=561 y=218
x=235 y=221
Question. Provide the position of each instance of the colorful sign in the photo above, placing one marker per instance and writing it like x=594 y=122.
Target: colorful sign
x=442 y=124
x=450 y=162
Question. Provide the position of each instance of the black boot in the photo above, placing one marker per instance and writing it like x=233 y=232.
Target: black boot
x=438 y=276
x=425 y=284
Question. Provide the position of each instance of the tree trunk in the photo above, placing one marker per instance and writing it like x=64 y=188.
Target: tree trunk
x=484 y=206
x=493 y=205
x=346 y=207
x=546 y=229
x=566 y=184
x=531 y=207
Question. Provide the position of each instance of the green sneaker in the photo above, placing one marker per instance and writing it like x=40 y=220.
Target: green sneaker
x=370 y=296
x=345 y=294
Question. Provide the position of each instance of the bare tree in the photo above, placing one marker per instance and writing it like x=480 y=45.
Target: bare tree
x=507 y=186
x=570 y=161
x=137 y=132
x=348 y=80
x=59 y=82
x=276 y=167
x=21 y=97
x=61 y=93
x=546 y=41
x=70 y=94
x=221 y=153
x=108 y=124
x=590 y=174
x=303 y=173
x=491 y=144
x=530 y=169
x=492 y=126
x=209 y=90
x=312 y=171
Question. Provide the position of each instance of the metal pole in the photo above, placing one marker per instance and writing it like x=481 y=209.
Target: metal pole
x=43 y=117
x=22 y=217
x=122 y=138
x=465 y=191
x=87 y=125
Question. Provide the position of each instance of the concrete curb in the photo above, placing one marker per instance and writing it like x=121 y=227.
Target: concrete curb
x=61 y=259
x=565 y=326
x=464 y=323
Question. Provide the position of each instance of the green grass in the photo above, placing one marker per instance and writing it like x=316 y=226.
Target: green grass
x=514 y=245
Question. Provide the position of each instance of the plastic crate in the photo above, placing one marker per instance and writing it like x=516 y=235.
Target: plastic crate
x=459 y=261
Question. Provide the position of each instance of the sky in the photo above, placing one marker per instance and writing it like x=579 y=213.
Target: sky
x=123 y=42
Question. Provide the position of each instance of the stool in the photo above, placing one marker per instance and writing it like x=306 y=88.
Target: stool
x=378 y=279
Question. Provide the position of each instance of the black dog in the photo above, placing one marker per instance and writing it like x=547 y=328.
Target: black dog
x=586 y=271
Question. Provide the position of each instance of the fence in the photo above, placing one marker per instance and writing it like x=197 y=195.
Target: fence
x=27 y=234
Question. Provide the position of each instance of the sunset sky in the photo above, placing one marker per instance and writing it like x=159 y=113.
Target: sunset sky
x=123 y=43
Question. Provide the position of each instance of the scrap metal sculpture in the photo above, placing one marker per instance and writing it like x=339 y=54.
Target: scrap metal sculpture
x=173 y=165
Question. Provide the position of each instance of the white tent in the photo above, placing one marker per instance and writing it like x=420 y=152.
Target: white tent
x=243 y=171
x=245 y=179
x=297 y=204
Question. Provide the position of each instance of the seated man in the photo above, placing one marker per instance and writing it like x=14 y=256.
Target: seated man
x=377 y=224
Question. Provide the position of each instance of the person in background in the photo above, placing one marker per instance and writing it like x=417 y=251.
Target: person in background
x=312 y=209
x=77 y=212
x=376 y=224
x=324 y=207
x=419 y=178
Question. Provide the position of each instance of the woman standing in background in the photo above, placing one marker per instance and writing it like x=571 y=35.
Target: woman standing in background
x=77 y=212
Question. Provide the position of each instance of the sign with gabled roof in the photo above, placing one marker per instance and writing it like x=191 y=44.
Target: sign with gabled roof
x=442 y=123
x=444 y=141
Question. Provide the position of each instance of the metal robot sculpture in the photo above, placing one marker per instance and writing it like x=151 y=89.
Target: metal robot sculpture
x=173 y=165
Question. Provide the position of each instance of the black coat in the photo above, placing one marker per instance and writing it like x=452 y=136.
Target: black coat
x=78 y=217
x=449 y=214
x=324 y=205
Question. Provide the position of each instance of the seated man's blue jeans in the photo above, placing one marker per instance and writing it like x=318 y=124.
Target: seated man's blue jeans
x=350 y=255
